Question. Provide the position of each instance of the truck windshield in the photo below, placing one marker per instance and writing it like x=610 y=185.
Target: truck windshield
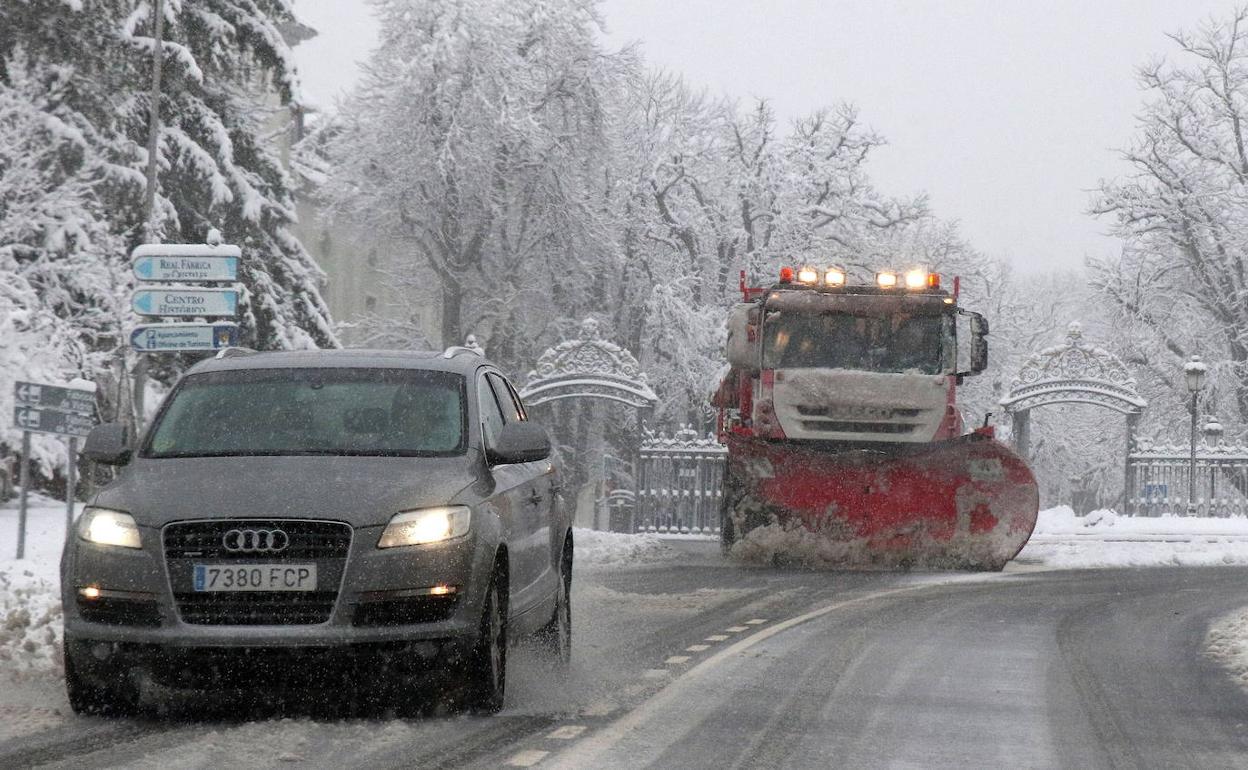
x=899 y=342
x=384 y=412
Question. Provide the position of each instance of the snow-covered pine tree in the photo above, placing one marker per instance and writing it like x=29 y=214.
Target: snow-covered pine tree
x=74 y=106
x=58 y=254
x=229 y=77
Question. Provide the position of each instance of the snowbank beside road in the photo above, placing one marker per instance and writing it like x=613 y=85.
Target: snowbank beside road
x=1103 y=539
x=30 y=602
x=614 y=549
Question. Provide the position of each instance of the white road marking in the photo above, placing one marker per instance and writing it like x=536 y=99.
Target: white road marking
x=677 y=659
x=756 y=622
x=656 y=673
x=736 y=629
x=526 y=758
x=697 y=647
x=716 y=638
x=567 y=732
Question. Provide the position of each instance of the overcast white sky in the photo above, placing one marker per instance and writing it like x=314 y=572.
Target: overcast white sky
x=1005 y=112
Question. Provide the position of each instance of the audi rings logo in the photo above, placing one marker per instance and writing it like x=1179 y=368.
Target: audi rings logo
x=255 y=540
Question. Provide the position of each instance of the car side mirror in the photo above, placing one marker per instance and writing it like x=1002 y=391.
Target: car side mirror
x=108 y=444
x=519 y=442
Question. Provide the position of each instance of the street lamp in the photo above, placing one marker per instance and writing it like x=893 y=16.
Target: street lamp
x=1194 y=370
x=1213 y=431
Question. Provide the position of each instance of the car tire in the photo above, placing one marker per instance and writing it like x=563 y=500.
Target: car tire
x=556 y=636
x=116 y=699
x=487 y=663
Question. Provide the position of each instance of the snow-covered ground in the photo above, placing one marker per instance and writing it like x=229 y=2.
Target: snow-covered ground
x=1227 y=643
x=30 y=607
x=1063 y=540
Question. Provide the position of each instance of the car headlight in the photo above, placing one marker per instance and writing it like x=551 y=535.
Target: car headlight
x=430 y=525
x=104 y=527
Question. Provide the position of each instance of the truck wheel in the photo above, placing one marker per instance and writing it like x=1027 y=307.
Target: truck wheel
x=116 y=699
x=556 y=636
x=487 y=664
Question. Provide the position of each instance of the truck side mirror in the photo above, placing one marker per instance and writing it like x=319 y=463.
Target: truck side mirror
x=979 y=343
x=972 y=331
x=742 y=329
x=108 y=444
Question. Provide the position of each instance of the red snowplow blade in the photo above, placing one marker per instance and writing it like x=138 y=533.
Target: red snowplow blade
x=968 y=503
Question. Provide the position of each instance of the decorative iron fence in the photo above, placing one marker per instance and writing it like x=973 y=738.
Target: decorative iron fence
x=1158 y=476
x=680 y=483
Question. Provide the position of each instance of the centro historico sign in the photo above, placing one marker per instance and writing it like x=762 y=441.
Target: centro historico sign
x=181 y=301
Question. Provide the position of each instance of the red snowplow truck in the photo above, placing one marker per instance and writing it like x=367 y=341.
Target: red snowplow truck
x=845 y=443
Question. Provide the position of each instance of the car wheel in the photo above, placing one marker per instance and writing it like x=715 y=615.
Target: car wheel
x=487 y=666
x=556 y=636
x=117 y=699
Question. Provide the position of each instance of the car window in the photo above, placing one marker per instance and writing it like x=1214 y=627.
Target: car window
x=364 y=411
x=507 y=399
x=491 y=415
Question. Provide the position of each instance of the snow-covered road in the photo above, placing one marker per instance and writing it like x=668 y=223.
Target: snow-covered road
x=683 y=659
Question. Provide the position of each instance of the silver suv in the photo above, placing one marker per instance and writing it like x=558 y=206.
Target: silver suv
x=384 y=511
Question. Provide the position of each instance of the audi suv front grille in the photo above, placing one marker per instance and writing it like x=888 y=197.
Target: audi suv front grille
x=308 y=539
x=323 y=543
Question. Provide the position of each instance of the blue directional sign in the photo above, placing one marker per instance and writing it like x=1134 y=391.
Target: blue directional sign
x=176 y=268
x=185 y=301
x=183 y=337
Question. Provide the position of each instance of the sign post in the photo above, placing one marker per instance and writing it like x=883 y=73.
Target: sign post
x=71 y=484
x=21 y=505
x=60 y=411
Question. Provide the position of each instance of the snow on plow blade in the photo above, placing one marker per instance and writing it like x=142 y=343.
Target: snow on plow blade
x=968 y=503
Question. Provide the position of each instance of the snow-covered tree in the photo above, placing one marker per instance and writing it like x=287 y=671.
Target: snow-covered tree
x=74 y=108
x=1180 y=286
x=475 y=145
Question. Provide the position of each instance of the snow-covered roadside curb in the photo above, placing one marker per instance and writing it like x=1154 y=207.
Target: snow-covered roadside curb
x=596 y=550
x=1227 y=644
x=1063 y=540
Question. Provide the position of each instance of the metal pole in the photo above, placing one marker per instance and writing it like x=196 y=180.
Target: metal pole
x=139 y=381
x=1191 y=471
x=71 y=485
x=153 y=121
x=21 y=506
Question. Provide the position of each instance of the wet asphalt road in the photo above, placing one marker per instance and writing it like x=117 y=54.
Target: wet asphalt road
x=700 y=663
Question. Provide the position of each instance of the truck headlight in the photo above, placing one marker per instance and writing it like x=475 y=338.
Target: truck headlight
x=429 y=525
x=104 y=527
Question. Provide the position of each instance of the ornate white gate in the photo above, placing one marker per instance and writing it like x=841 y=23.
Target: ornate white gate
x=588 y=367
x=1077 y=373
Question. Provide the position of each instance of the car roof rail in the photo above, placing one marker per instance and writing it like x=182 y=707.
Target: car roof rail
x=456 y=350
x=234 y=352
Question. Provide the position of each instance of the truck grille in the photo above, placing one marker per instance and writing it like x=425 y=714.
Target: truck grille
x=326 y=543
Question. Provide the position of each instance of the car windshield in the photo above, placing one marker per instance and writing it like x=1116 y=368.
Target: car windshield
x=898 y=342
x=384 y=412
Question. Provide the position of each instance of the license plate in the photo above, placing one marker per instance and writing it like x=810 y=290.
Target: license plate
x=255 y=577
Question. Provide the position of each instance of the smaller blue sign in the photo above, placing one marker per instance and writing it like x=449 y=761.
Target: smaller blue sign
x=183 y=337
